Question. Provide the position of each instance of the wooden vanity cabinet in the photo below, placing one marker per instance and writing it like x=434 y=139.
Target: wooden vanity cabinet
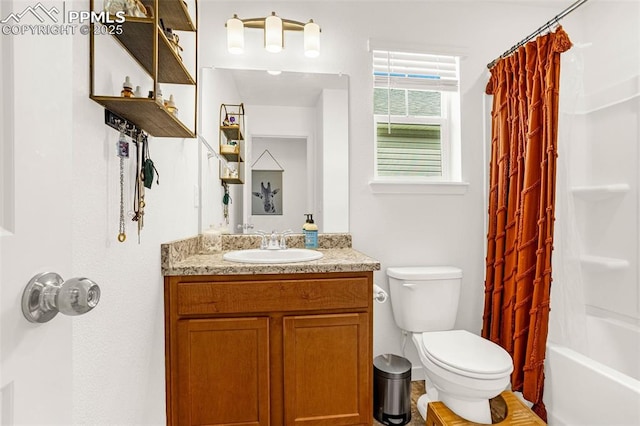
x=275 y=350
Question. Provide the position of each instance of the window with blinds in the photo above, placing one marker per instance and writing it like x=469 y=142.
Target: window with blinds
x=412 y=98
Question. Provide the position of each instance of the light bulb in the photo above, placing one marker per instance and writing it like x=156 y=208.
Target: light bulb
x=273 y=33
x=235 y=35
x=311 y=39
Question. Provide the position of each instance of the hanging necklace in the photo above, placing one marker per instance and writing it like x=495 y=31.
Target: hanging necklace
x=138 y=197
x=123 y=152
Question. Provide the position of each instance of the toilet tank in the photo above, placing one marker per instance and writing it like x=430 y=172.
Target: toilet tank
x=424 y=298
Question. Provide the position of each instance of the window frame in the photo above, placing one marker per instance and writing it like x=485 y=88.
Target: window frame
x=450 y=182
x=443 y=120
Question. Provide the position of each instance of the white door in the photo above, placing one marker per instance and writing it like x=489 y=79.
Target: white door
x=35 y=225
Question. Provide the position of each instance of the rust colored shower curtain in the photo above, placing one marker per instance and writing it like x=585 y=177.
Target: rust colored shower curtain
x=521 y=207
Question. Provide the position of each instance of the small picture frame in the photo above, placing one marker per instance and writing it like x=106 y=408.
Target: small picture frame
x=266 y=192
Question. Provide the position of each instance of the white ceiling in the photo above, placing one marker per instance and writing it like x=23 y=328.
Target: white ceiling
x=257 y=87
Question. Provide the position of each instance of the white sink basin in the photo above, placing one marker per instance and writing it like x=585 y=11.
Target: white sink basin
x=291 y=255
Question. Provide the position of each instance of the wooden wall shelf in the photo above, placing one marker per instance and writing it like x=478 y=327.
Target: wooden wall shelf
x=175 y=15
x=232 y=132
x=139 y=37
x=147 y=114
x=136 y=33
x=232 y=181
x=231 y=152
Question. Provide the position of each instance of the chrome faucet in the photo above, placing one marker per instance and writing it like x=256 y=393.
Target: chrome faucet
x=283 y=238
x=263 y=240
x=273 y=241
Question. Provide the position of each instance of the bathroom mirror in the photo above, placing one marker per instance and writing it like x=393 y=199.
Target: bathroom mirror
x=297 y=149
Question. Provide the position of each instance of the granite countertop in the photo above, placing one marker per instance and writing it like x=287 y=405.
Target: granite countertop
x=202 y=255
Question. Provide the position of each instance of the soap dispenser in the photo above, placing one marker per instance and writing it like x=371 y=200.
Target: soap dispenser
x=310 y=231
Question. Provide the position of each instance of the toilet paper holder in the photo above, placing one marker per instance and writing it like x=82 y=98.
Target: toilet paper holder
x=379 y=295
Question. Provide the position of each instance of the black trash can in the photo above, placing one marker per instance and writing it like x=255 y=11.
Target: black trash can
x=392 y=389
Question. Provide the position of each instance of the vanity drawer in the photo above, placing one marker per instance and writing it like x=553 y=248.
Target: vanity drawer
x=231 y=297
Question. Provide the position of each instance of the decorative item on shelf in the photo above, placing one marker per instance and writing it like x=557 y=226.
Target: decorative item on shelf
x=115 y=6
x=231 y=147
x=174 y=40
x=274 y=28
x=138 y=92
x=159 y=97
x=130 y=7
x=127 y=87
x=230 y=171
x=136 y=8
x=149 y=7
x=170 y=105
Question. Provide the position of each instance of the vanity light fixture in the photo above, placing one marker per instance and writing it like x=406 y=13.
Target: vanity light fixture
x=274 y=28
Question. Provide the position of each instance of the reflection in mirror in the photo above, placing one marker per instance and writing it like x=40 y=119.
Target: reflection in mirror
x=296 y=150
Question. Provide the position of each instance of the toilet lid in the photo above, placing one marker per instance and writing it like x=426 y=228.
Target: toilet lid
x=466 y=354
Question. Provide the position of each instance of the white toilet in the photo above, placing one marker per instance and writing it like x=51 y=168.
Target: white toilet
x=463 y=370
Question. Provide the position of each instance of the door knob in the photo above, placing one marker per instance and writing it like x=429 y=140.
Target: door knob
x=47 y=293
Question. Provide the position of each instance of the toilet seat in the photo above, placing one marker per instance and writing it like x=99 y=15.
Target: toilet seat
x=466 y=354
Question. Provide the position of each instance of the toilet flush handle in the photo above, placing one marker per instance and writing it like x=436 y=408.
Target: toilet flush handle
x=410 y=286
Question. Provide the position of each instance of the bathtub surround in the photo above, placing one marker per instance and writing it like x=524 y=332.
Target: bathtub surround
x=594 y=323
x=521 y=207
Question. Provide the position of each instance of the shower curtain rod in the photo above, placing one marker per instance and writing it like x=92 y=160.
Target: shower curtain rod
x=540 y=30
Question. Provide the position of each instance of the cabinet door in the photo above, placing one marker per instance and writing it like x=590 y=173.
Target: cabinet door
x=326 y=370
x=223 y=372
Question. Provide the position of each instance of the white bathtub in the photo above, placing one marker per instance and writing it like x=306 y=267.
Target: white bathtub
x=602 y=389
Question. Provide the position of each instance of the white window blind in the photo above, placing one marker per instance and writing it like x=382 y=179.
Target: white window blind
x=414 y=94
x=415 y=71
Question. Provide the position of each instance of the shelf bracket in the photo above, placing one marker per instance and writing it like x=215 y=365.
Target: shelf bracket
x=113 y=120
